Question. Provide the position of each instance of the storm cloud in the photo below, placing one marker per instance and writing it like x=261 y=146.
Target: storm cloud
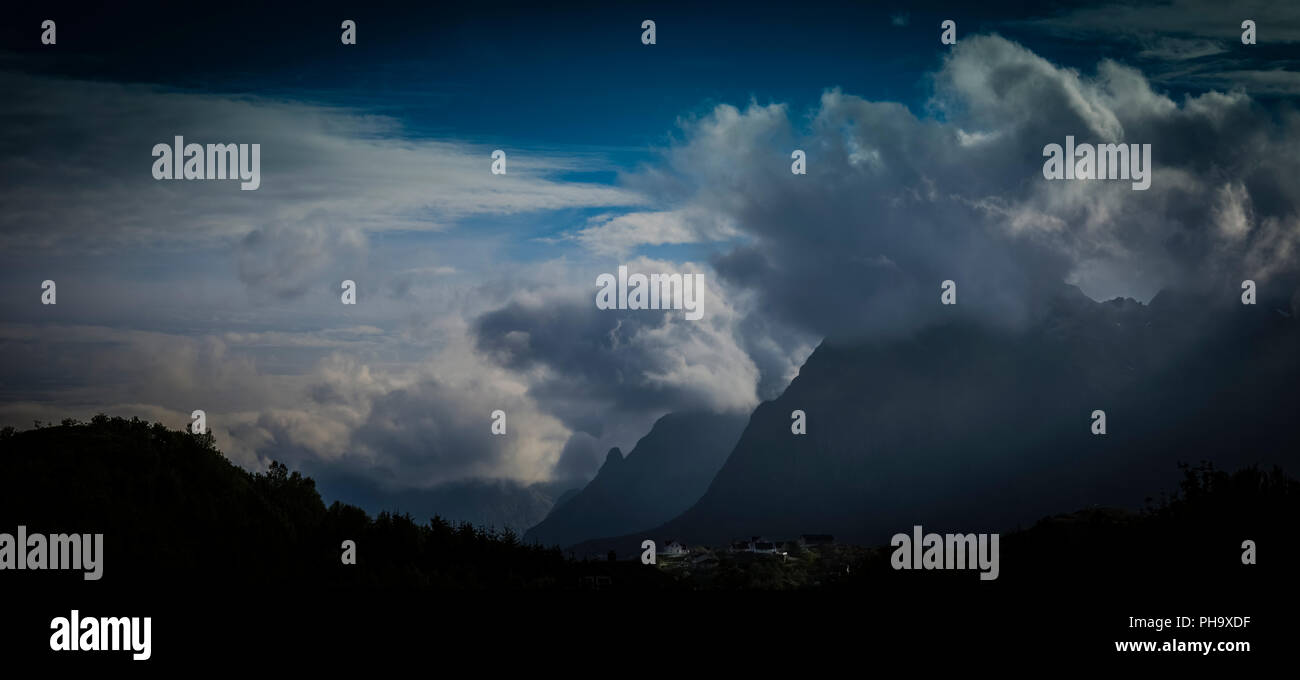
x=895 y=202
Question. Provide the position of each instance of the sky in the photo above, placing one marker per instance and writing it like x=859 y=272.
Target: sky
x=476 y=291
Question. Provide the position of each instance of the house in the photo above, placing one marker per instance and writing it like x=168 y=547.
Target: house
x=756 y=544
x=674 y=549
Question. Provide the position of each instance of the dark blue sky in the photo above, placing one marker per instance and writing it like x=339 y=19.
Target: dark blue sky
x=523 y=74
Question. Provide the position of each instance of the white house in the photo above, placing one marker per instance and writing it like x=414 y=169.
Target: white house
x=674 y=549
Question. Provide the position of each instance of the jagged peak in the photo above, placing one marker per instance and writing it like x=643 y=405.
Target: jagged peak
x=614 y=457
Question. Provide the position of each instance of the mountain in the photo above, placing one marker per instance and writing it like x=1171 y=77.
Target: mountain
x=666 y=471
x=565 y=498
x=963 y=427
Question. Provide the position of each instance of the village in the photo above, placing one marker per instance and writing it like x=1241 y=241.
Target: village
x=758 y=562
x=810 y=560
x=674 y=552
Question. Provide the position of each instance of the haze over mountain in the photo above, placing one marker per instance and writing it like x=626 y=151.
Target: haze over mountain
x=664 y=474
x=965 y=428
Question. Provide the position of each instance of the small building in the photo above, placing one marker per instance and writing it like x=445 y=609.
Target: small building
x=756 y=544
x=674 y=549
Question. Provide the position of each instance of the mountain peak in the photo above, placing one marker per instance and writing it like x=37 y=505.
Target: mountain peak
x=614 y=457
x=668 y=469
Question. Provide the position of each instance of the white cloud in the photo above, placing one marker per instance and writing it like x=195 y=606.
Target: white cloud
x=621 y=234
x=329 y=175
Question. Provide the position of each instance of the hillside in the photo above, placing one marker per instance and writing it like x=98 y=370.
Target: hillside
x=173 y=510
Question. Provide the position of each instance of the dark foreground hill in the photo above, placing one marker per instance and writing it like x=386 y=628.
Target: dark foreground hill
x=173 y=510
x=237 y=566
x=500 y=503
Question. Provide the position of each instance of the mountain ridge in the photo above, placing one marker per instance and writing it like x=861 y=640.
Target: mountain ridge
x=662 y=475
x=977 y=428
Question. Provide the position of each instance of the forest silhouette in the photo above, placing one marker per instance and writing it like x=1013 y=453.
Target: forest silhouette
x=174 y=510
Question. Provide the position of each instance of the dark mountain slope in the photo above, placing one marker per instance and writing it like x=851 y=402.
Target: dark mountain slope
x=664 y=474
x=965 y=428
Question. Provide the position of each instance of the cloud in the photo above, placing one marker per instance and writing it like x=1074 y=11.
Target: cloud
x=893 y=204
x=581 y=456
x=621 y=234
x=389 y=391
x=589 y=365
x=331 y=177
x=1190 y=44
x=286 y=260
x=1178 y=49
x=399 y=389
x=607 y=375
x=1273 y=81
x=1206 y=18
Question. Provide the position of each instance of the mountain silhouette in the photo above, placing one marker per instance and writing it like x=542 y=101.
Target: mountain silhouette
x=665 y=473
x=969 y=428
